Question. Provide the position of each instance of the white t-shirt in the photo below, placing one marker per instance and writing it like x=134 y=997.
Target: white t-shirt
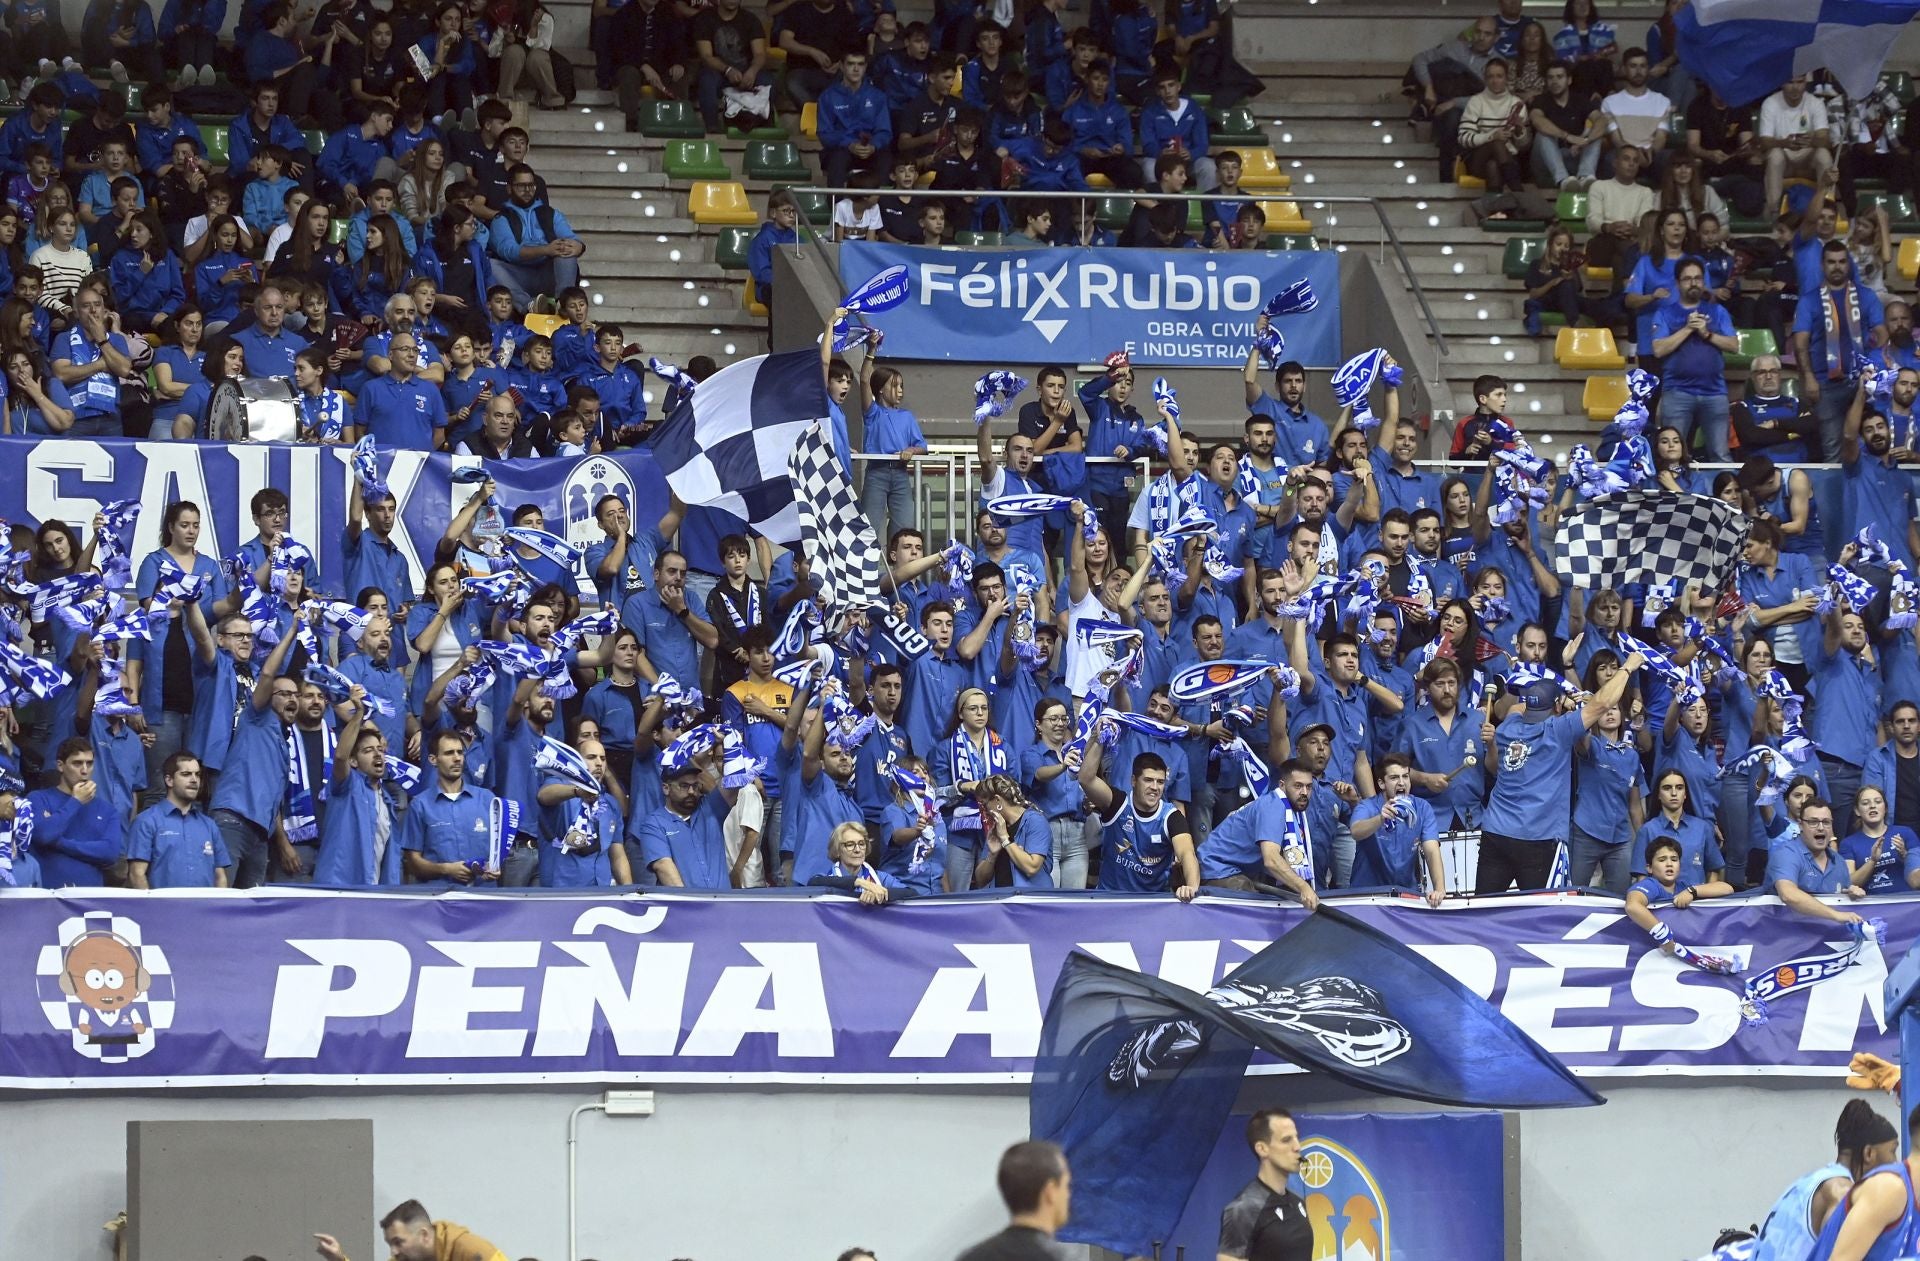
x=1083 y=663
x=277 y=238
x=197 y=228
x=1778 y=120
x=749 y=811
x=844 y=217
x=1639 y=116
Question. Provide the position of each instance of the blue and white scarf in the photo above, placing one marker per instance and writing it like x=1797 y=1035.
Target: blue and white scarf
x=970 y=765
x=994 y=393
x=307 y=784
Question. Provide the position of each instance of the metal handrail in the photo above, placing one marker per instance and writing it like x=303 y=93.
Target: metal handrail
x=1388 y=235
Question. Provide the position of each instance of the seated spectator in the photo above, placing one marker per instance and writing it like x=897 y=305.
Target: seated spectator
x=1692 y=335
x=1799 y=869
x=1494 y=133
x=121 y=39
x=621 y=392
x=90 y=359
x=1685 y=191
x=1174 y=124
x=146 y=278
x=818 y=35
x=24 y=190
x=903 y=72
x=375 y=70
x=965 y=163
x=1615 y=208
x=38 y=123
x=1445 y=76
x=189 y=35
x=525 y=46
x=1793 y=134
x=1566 y=132
x=399 y=409
x=86 y=139
x=731 y=46
x=981 y=77
x=1036 y=224
x=1554 y=283
x=452 y=61
x=645 y=39
x=99 y=190
x=1102 y=133
x=857 y=218
x=1635 y=115
x=261 y=126
x=363 y=289
x=1016 y=115
x=174 y=844
x=1065 y=80
x=273 y=59
x=924 y=124
x=856 y=127
x=1589 y=46
x=1721 y=137
x=37 y=403
x=534 y=249
x=382 y=198
x=1211 y=68
x=1171 y=173
x=353 y=155
x=265 y=205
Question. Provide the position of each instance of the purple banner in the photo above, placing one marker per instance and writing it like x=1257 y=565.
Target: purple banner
x=138 y=989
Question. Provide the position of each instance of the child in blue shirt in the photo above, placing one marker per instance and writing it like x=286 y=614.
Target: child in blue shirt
x=780 y=228
x=95 y=202
x=1661 y=887
x=264 y=205
x=887 y=496
x=1174 y=124
x=573 y=341
x=902 y=74
x=540 y=389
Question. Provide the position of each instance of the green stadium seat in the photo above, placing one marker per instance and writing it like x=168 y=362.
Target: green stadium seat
x=671 y=120
x=1196 y=217
x=337 y=233
x=218 y=151
x=1754 y=342
x=695 y=160
x=1292 y=241
x=1519 y=256
x=775 y=160
x=1510 y=227
x=316 y=140
x=817 y=207
x=1234 y=128
x=773 y=131
x=1901 y=83
x=1571 y=210
x=1899 y=208
x=730 y=247
x=131 y=93
x=1112 y=213
x=977 y=238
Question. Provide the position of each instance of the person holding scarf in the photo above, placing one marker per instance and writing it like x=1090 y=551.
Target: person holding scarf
x=1018 y=844
x=1801 y=869
x=1048 y=773
x=737 y=604
x=358 y=845
x=848 y=847
x=1834 y=327
x=582 y=826
x=1877 y=493
x=816 y=780
x=1607 y=806
x=963 y=759
x=311 y=744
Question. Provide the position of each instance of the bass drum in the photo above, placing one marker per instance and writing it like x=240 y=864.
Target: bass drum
x=253 y=409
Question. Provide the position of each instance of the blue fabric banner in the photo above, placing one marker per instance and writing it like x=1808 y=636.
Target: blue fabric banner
x=1191 y=308
x=364 y=988
x=70 y=479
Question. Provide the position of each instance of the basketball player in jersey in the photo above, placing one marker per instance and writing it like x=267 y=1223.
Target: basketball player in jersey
x=1878 y=1220
x=1862 y=1140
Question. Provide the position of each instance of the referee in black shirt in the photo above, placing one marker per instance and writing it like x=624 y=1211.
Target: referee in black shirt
x=1036 y=1186
x=1267 y=1221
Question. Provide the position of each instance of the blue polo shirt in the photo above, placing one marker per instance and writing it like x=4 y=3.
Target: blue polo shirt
x=1058 y=798
x=1699 y=849
x=387 y=683
x=926 y=707
x=1791 y=573
x=1408 y=492
x=1696 y=760
x=1846 y=691
x=1790 y=860
x=600 y=820
x=644 y=546
x=697 y=845
x=99 y=394
x=1879 y=493
x=890 y=429
x=1300 y=436
x=1530 y=791
x=443 y=829
x=1346 y=714
x=813 y=809
x=1437 y=751
x=253 y=783
x=1233 y=847
x=1698 y=367
x=182 y=848
x=1604 y=779
x=375 y=562
x=1391 y=856
x=269 y=356
x=348 y=828
x=669 y=645
x=218 y=698
x=401 y=414
x=884 y=746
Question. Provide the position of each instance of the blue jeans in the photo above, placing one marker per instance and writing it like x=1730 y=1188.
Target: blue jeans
x=1550 y=162
x=887 y=496
x=1069 y=853
x=520 y=869
x=1585 y=852
x=1706 y=411
x=960 y=859
x=99 y=426
x=169 y=737
x=246 y=846
x=1736 y=823
x=1831 y=408
x=1843 y=785
x=527 y=281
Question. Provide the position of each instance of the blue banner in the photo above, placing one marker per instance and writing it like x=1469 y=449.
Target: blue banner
x=1189 y=308
x=70 y=479
x=1386 y=1186
x=227 y=988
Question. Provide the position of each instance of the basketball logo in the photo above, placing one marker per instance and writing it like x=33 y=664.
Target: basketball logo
x=1344 y=1203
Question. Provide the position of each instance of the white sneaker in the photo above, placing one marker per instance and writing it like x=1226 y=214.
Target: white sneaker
x=68 y=63
x=206 y=76
x=47 y=69
x=118 y=72
x=1570 y=183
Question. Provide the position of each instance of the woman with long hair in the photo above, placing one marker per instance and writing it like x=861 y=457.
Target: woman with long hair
x=310 y=254
x=19 y=320
x=219 y=277
x=423 y=189
x=968 y=754
x=1456 y=523
x=223 y=360
x=63 y=261
x=1685 y=745
x=362 y=289
x=37 y=403
x=1673 y=464
x=146 y=276
x=1590 y=45
x=1877 y=850
x=456 y=259
x=1654 y=281
x=160 y=672
x=178 y=366
x=1685 y=189
x=525 y=46
x=1672 y=815
x=1018 y=852
x=453 y=63
x=1531 y=62
x=13 y=252
x=1607 y=804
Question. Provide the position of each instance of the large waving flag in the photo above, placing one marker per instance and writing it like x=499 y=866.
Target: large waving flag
x=843 y=556
x=1129 y=1064
x=727 y=445
x=1652 y=536
x=1747 y=48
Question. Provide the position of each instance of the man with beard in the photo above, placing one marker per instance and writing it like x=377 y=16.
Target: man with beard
x=1300 y=437
x=1445 y=580
x=1899 y=352
x=1836 y=325
x=886 y=745
x=996 y=545
x=1264 y=844
x=1016 y=476
x=1448 y=749
x=411 y=1234
x=1260 y=438
x=1312 y=504
x=1337 y=696
x=1691 y=338
x=1877 y=491
x=1380 y=664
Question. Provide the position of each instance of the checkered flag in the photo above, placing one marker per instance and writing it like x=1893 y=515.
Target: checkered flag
x=843 y=556
x=1650 y=536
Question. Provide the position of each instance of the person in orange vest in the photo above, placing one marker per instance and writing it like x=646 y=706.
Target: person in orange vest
x=413 y=1235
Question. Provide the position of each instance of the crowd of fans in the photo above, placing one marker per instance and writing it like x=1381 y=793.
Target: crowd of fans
x=1388 y=655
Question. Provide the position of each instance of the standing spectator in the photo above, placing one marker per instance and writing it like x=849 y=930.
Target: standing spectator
x=1565 y=132
x=1446 y=75
x=1794 y=136
x=534 y=248
x=1882 y=856
x=1636 y=115
x=1799 y=868
x=1494 y=131
x=1666 y=72
x=173 y=844
x=646 y=38
x=1692 y=336
x=817 y=34
x=891 y=430
x=855 y=125
x=249 y=793
x=1834 y=328
x=1615 y=208
x=731 y=46
x=526 y=47
x=1590 y=45
x=1655 y=279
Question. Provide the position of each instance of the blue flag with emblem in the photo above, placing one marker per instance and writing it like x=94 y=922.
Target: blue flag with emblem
x=1130 y=1065
x=1748 y=48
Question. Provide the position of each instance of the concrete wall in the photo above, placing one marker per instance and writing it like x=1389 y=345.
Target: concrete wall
x=799 y=1175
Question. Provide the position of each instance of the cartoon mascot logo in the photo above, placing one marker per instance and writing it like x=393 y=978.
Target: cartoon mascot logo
x=106 y=988
x=1344 y=1203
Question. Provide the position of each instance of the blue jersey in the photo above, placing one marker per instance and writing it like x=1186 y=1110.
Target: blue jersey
x=1699 y=849
x=1529 y=799
x=1890 y=870
x=1896 y=1242
x=1788 y=1234
x=1391 y=856
x=1136 y=850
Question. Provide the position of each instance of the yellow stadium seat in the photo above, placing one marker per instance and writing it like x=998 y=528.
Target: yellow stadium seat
x=1285 y=216
x=1909 y=259
x=1578 y=348
x=1463 y=178
x=925 y=180
x=1603 y=396
x=1260 y=172
x=1603 y=275
x=720 y=201
x=810 y=120
x=1097 y=180
x=544 y=325
x=753 y=306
